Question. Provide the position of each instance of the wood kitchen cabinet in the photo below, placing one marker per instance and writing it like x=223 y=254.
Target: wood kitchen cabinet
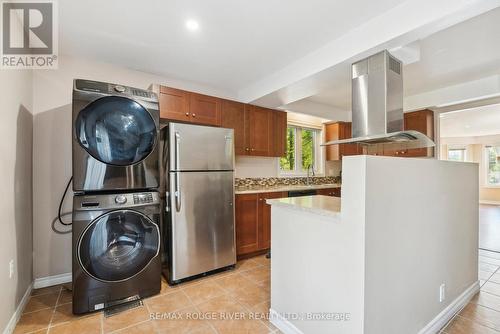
x=179 y=105
x=279 y=133
x=174 y=104
x=258 y=122
x=205 y=109
x=257 y=131
x=253 y=222
x=335 y=192
x=233 y=117
x=247 y=223
x=265 y=218
x=422 y=121
x=338 y=131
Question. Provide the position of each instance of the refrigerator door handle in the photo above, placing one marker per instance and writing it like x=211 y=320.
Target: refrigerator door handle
x=167 y=201
x=177 y=191
x=177 y=150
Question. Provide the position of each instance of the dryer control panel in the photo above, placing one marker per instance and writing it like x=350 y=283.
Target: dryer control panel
x=109 y=88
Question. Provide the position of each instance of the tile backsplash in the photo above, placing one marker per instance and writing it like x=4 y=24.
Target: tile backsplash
x=278 y=181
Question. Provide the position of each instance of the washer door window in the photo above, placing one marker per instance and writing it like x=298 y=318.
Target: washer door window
x=118 y=245
x=116 y=130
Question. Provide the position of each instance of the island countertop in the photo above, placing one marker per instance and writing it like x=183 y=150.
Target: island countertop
x=319 y=204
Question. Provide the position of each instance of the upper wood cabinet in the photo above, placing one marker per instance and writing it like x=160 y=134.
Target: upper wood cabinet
x=422 y=121
x=205 y=109
x=279 y=133
x=258 y=122
x=179 y=105
x=233 y=117
x=174 y=104
x=337 y=131
x=257 y=131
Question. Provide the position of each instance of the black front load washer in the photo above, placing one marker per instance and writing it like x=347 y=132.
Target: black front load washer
x=116 y=249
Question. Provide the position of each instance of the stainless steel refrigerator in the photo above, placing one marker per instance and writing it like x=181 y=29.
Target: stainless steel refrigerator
x=198 y=182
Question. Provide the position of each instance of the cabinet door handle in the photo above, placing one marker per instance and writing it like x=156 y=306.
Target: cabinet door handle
x=187 y=114
x=247 y=149
x=194 y=115
x=252 y=149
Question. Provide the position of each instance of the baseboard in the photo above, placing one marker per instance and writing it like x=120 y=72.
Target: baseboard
x=282 y=323
x=432 y=327
x=490 y=202
x=44 y=282
x=19 y=311
x=447 y=314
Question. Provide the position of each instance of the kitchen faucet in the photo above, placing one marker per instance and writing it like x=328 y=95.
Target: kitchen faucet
x=308 y=179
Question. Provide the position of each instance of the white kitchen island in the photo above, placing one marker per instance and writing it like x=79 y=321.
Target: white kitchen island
x=397 y=254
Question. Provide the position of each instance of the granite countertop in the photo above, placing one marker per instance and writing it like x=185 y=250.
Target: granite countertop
x=255 y=189
x=318 y=204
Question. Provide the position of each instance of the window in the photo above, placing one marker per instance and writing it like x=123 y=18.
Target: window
x=302 y=151
x=456 y=154
x=492 y=165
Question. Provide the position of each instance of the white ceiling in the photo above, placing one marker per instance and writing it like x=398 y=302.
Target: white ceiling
x=239 y=41
x=482 y=121
x=464 y=52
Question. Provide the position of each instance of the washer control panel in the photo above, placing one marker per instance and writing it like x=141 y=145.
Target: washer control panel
x=144 y=198
x=111 y=201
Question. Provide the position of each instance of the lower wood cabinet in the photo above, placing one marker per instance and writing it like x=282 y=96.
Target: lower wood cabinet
x=253 y=222
x=247 y=223
x=335 y=192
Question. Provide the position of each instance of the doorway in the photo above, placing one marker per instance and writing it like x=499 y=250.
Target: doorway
x=473 y=135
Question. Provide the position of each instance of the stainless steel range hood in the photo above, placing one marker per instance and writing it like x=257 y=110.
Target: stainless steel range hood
x=377 y=104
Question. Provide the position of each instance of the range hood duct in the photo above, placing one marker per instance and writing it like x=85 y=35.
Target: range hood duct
x=377 y=104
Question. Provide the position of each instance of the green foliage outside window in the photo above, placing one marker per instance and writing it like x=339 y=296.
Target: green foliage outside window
x=288 y=161
x=300 y=149
x=307 y=148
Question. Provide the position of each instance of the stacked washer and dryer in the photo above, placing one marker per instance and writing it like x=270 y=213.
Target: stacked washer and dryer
x=116 y=207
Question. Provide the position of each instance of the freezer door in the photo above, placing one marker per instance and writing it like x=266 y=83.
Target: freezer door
x=198 y=148
x=202 y=233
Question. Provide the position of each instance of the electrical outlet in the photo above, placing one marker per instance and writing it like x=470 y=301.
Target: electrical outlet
x=442 y=293
x=11 y=268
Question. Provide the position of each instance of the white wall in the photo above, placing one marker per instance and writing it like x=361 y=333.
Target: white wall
x=16 y=142
x=421 y=230
x=406 y=226
x=52 y=91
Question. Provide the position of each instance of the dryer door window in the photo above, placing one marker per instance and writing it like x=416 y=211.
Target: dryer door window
x=118 y=245
x=116 y=130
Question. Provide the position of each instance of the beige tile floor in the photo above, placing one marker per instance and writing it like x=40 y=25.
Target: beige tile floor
x=482 y=314
x=243 y=292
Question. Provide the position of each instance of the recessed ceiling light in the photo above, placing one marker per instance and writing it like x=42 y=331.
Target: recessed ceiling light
x=192 y=25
